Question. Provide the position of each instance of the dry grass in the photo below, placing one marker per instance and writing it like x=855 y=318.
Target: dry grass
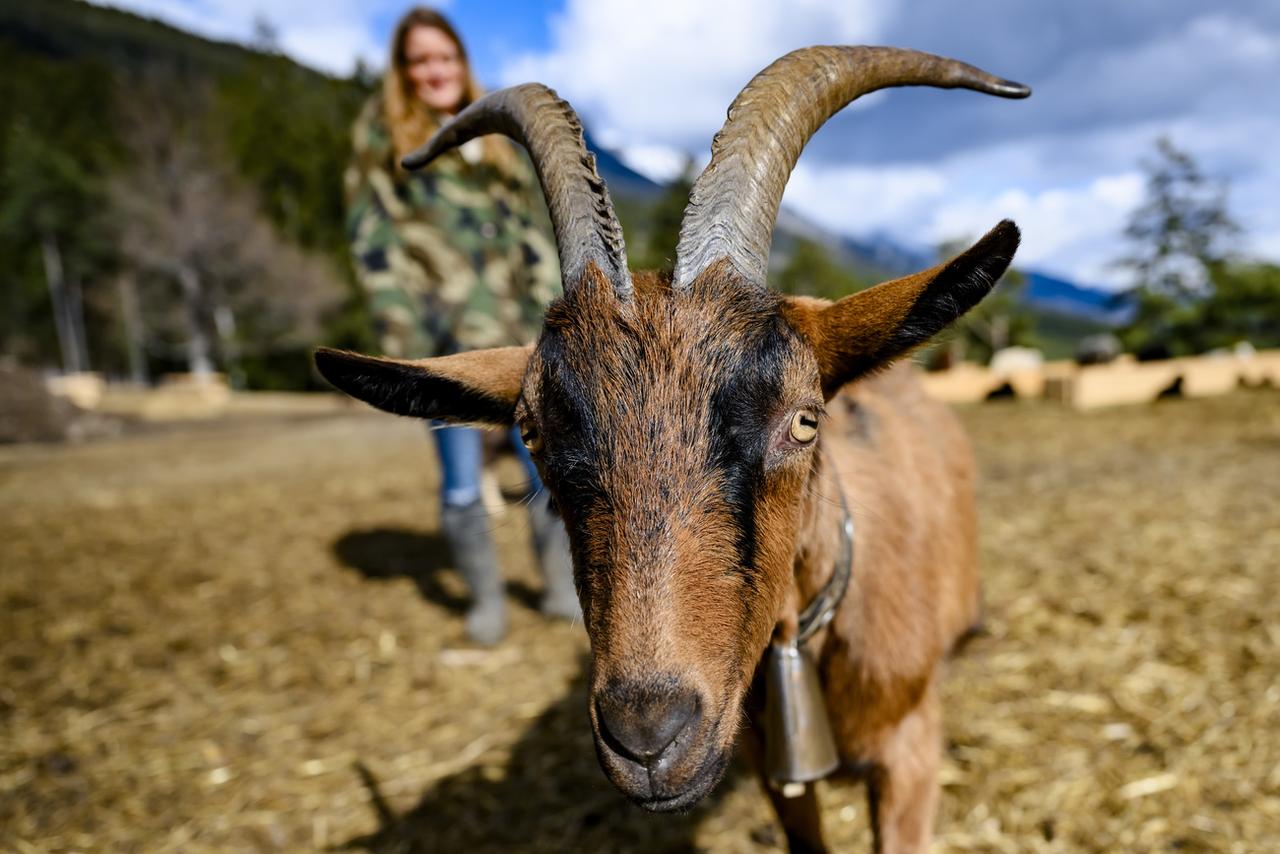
x=206 y=632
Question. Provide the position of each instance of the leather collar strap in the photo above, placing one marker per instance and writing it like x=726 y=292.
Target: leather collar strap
x=822 y=609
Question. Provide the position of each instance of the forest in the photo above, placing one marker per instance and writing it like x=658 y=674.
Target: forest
x=167 y=202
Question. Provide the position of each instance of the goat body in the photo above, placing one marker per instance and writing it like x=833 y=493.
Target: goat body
x=693 y=432
x=904 y=463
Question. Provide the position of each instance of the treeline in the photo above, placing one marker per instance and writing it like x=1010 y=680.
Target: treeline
x=166 y=202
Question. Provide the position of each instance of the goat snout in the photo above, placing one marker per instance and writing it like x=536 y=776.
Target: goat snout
x=640 y=720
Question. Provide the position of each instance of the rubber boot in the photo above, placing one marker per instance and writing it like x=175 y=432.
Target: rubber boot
x=559 y=599
x=467 y=529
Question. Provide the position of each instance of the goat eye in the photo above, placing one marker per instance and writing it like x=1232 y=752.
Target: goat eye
x=804 y=426
x=532 y=439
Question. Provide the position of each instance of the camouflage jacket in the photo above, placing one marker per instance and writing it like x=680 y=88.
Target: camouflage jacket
x=455 y=257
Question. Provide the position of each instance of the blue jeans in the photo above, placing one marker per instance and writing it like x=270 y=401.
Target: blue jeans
x=462 y=457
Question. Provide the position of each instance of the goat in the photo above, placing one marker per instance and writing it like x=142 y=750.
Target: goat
x=691 y=429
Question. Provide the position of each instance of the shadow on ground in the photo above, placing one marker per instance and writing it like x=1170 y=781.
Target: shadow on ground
x=421 y=556
x=385 y=553
x=550 y=795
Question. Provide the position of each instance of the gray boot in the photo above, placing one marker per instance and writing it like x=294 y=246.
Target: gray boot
x=559 y=599
x=467 y=529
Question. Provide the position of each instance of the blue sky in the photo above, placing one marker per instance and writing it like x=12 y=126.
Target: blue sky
x=653 y=80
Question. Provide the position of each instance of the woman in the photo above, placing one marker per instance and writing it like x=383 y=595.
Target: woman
x=456 y=257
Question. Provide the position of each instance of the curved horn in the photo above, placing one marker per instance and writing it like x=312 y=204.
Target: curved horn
x=587 y=230
x=734 y=202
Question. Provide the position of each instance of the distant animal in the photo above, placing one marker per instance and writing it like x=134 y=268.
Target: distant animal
x=702 y=436
x=1098 y=349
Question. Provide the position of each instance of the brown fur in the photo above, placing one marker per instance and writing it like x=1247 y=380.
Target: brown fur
x=665 y=418
x=914 y=590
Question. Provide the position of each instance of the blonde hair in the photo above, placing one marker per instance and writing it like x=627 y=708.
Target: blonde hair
x=408 y=119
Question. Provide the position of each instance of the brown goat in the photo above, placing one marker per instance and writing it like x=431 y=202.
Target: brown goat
x=692 y=432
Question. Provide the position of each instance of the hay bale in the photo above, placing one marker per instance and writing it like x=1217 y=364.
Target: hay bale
x=1207 y=376
x=1260 y=368
x=963 y=383
x=1124 y=381
x=83 y=390
x=178 y=397
x=28 y=412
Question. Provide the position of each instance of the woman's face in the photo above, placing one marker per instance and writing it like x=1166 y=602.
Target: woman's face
x=434 y=68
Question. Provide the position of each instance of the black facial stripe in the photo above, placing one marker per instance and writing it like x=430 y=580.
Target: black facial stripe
x=747 y=369
x=571 y=450
x=740 y=409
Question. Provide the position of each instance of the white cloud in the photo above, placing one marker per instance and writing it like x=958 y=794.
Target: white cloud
x=860 y=199
x=661 y=163
x=666 y=70
x=653 y=80
x=334 y=46
x=1066 y=230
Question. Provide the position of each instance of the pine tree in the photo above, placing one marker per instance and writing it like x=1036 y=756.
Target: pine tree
x=1181 y=237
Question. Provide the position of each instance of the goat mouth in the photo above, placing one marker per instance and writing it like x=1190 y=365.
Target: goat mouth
x=697 y=788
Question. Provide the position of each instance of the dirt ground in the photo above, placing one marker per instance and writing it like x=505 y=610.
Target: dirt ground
x=247 y=636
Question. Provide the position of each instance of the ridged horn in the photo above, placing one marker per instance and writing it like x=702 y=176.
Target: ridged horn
x=587 y=230
x=734 y=203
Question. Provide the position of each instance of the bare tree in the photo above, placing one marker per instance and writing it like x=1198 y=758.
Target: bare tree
x=184 y=218
x=132 y=326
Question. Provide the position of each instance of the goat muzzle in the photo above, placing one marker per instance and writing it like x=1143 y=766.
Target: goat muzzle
x=641 y=727
x=657 y=743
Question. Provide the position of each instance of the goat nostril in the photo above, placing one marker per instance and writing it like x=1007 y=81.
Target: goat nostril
x=639 y=724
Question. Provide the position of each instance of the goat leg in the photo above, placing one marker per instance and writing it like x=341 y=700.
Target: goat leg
x=902 y=790
x=799 y=816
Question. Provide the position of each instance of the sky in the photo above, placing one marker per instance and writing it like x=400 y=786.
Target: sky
x=653 y=79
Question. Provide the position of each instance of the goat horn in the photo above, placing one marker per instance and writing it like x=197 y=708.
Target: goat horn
x=734 y=203
x=587 y=230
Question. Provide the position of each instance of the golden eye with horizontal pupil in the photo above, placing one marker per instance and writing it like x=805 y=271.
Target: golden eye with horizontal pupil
x=804 y=426
x=532 y=439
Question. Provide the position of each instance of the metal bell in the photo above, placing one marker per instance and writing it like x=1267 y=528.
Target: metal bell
x=799 y=744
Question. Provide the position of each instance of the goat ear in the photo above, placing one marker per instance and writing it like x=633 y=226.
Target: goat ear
x=479 y=387
x=871 y=328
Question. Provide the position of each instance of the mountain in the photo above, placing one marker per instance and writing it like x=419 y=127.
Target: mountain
x=1049 y=293
x=872 y=257
x=884 y=257
x=623 y=181
x=868 y=262
x=888 y=254
x=70 y=30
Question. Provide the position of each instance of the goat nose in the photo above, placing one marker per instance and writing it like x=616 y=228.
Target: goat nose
x=639 y=721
